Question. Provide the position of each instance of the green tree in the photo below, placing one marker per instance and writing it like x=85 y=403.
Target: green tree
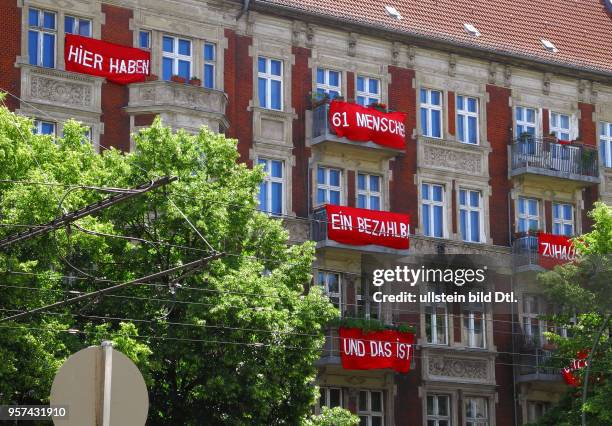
x=336 y=416
x=231 y=343
x=585 y=287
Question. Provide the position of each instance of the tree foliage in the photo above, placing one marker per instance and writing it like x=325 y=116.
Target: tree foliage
x=583 y=289
x=336 y=416
x=233 y=343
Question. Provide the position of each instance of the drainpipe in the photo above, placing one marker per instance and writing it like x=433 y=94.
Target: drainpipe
x=245 y=8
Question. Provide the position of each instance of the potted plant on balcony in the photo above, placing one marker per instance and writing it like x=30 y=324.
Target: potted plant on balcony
x=178 y=79
x=378 y=106
x=151 y=77
x=195 y=81
x=525 y=136
x=318 y=99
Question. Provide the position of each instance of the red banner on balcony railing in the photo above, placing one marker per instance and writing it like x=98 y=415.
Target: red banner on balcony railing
x=361 y=124
x=376 y=349
x=555 y=250
x=119 y=64
x=576 y=364
x=359 y=227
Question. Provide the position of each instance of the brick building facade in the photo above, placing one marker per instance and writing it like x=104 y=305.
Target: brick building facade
x=474 y=85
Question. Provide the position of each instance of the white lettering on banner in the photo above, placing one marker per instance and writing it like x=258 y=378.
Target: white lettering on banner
x=139 y=66
x=85 y=57
x=369 y=226
x=93 y=60
x=381 y=349
x=557 y=251
x=382 y=124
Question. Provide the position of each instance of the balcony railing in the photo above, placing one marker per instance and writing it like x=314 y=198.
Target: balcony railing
x=535 y=367
x=525 y=253
x=323 y=132
x=551 y=158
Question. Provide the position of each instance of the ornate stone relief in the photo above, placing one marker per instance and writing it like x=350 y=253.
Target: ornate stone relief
x=458 y=367
x=452 y=64
x=352 y=44
x=507 y=76
x=492 y=72
x=61 y=92
x=546 y=83
x=445 y=158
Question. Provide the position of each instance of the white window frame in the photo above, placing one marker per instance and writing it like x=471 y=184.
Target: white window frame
x=605 y=141
x=433 y=203
x=212 y=62
x=269 y=179
x=556 y=128
x=523 y=121
x=476 y=421
x=327 y=187
x=436 y=417
x=325 y=395
x=150 y=39
x=340 y=294
x=464 y=114
x=468 y=209
x=77 y=25
x=560 y=220
x=469 y=314
x=366 y=92
x=368 y=414
x=38 y=126
x=427 y=105
x=326 y=86
x=526 y=216
x=40 y=29
x=432 y=339
x=530 y=318
x=271 y=77
x=175 y=56
x=368 y=192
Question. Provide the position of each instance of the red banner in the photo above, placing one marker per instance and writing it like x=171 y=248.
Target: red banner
x=554 y=250
x=576 y=364
x=119 y=64
x=376 y=349
x=361 y=124
x=359 y=227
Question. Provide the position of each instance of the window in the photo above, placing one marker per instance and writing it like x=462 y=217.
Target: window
x=41 y=37
x=271 y=197
x=80 y=26
x=432 y=210
x=533 y=327
x=368 y=191
x=525 y=121
x=605 y=143
x=370 y=408
x=144 y=39
x=476 y=412
x=467 y=119
x=438 y=410
x=210 y=56
x=368 y=90
x=44 y=127
x=330 y=281
x=528 y=214
x=329 y=186
x=536 y=409
x=436 y=324
x=330 y=397
x=329 y=82
x=474 y=325
x=176 y=57
x=431 y=113
x=270 y=83
x=563 y=219
x=470 y=212
x=560 y=125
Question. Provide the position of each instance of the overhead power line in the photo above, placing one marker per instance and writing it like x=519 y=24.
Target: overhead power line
x=85 y=211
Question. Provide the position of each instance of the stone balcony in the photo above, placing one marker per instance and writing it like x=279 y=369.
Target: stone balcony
x=533 y=367
x=440 y=156
x=179 y=105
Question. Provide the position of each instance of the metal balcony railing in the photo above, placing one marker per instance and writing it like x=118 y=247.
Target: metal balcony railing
x=549 y=157
x=319 y=224
x=320 y=121
x=525 y=252
x=534 y=367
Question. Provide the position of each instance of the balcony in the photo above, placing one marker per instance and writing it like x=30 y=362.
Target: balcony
x=179 y=105
x=320 y=236
x=533 y=367
x=323 y=134
x=330 y=355
x=546 y=157
x=525 y=255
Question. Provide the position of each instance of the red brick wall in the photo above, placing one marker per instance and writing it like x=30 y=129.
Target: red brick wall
x=114 y=96
x=454 y=206
x=548 y=215
x=451 y=113
x=402 y=190
x=10 y=34
x=499 y=131
x=350 y=188
x=350 y=86
x=588 y=133
x=238 y=82
x=301 y=87
x=545 y=122
x=144 y=119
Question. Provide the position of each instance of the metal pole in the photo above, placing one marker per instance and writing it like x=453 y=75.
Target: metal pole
x=107 y=360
